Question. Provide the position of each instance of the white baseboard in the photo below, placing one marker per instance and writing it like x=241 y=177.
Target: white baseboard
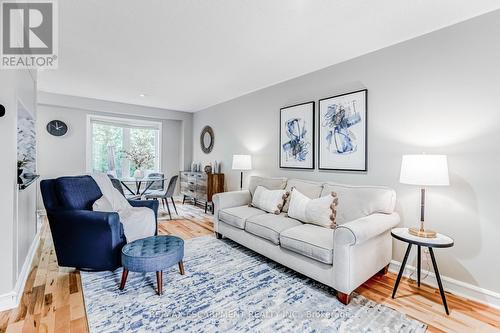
x=11 y=299
x=453 y=286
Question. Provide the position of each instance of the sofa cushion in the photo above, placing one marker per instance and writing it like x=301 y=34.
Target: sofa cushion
x=269 y=183
x=237 y=216
x=310 y=189
x=309 y=240
x=269 y=226
x=78 y=192
x=360 y=201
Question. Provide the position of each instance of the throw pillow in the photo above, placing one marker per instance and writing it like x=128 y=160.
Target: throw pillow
x=270 y=201
x=321 y=211
x=309 y=188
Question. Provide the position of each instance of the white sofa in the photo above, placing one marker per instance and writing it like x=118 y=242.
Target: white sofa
x=342 y=258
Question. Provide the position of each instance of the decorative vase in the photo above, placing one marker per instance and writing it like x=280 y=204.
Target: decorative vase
x=138 y=174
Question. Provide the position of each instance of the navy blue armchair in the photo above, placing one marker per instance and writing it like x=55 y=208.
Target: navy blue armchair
x=83 y=238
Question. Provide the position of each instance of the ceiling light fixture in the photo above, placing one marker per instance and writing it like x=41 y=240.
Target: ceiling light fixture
x=142 y=95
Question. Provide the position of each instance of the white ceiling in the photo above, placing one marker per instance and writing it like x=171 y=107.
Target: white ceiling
x=190 y=54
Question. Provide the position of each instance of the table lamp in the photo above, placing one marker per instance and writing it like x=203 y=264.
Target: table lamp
x=424 y=170
x=242 y=162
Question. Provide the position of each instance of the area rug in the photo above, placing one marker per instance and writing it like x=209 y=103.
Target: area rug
x=228 y=288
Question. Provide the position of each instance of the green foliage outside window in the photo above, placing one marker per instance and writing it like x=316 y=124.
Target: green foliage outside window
x=141 y=144
x=104 y=136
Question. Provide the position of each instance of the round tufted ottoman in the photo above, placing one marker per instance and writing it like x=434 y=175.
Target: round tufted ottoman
x=152 y=254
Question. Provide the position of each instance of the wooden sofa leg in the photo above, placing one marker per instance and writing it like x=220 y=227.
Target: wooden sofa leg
x=383 y=271
x=343 y=298
x=218 y=236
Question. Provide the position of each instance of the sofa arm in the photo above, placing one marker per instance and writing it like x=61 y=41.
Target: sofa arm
x=362 y=247
x=359 y=231
x=231 y=199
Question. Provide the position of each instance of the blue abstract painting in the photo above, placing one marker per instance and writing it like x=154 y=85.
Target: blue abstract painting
x=296 y=148
x=338 y=120
x=296 y=136
x=343 y=132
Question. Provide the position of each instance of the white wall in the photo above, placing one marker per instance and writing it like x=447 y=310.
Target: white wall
x=437 y=94
x=60 y=156
x=17 y=213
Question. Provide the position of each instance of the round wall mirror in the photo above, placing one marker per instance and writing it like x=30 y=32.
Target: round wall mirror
x=207 y=139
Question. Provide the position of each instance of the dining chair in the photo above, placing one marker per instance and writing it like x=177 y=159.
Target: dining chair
x=155 y=186
x=169 y=194
x=118 y=185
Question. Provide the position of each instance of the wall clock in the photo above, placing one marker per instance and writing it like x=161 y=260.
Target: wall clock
x=57 y=128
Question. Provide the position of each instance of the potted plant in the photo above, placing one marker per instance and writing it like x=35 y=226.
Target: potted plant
x=20 y=164
x=139 y=158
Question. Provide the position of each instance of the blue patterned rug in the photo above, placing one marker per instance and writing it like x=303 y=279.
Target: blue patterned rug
x=228 y=288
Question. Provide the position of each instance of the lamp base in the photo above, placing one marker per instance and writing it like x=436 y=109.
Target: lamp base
x=422 y=233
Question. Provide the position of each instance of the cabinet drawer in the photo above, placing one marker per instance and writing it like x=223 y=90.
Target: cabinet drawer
x=202 y=176
x=201 y=182
x=201 y=188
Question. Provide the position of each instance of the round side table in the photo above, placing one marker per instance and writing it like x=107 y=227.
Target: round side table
x=440 y=241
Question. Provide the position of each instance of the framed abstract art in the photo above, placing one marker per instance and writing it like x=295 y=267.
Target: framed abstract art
x=343 y=132
x=297 y=136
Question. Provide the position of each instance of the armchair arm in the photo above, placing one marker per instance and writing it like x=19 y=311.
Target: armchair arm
x=86 y=222
x=231 y=199
x=151 y=204
x=360 y=230
x=87 y=239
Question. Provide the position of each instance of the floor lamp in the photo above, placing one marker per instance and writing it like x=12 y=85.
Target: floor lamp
x=242 y=163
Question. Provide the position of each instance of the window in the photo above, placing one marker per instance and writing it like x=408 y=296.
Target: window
x=110 y=138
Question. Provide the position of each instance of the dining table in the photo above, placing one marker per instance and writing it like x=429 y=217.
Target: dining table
x=138 y=184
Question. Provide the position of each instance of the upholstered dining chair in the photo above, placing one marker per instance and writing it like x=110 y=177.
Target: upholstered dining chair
x=155 y=185
x=168 y=194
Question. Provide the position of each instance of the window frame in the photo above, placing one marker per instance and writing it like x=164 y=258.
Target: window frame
x=125 y=123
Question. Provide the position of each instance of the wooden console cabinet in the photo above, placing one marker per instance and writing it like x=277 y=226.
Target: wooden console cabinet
x=201 y=186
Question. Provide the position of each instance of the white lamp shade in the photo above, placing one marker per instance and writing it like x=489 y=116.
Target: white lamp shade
x=427 y=170
x=242 y=162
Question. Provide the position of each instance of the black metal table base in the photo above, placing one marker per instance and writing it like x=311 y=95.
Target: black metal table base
x=436 y=271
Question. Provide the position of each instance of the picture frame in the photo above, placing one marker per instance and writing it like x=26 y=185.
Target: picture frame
x=297 y=136
x=343 y=132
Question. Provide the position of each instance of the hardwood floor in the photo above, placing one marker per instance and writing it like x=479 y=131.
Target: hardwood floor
x=53 y=300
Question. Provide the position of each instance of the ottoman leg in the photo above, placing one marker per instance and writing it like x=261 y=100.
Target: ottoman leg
x=159 y=281
x=181 y=267
x=124 y=278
